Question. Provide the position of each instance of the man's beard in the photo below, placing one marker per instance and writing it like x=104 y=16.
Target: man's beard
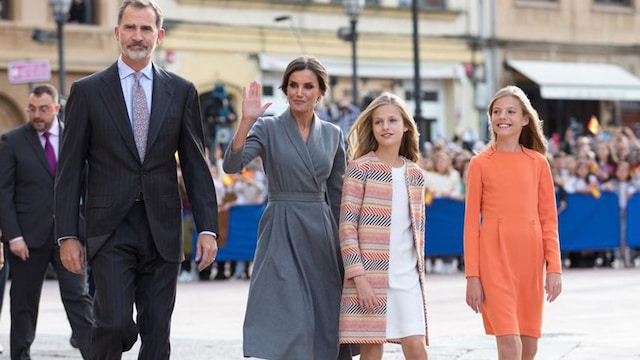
x=137 y=54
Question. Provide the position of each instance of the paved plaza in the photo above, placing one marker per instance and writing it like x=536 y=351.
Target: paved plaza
x=596 y=317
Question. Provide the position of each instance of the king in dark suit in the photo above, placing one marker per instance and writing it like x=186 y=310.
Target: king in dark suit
x=27 y=171
x=126 y=123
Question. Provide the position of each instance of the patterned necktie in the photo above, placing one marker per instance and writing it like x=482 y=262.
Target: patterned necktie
x=50 y=153
x=140 y=116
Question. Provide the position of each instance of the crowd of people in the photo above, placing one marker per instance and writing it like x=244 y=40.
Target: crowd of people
x=249 y=187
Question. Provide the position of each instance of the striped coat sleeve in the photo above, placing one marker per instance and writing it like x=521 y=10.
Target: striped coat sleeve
x=350 y=210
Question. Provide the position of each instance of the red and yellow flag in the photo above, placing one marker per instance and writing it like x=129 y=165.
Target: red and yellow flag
x=228 y=180
x=594 y=125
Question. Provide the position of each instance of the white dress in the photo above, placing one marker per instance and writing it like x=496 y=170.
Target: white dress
x=405 y=313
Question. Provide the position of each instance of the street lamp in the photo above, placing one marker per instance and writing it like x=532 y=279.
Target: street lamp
x=60 y=10
x=424 y=125
x=353 y=9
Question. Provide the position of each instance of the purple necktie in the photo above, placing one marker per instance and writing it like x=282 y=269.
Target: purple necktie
x=50 y=153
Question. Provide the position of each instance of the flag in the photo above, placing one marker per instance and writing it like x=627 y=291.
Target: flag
x=428 y=196
x=228 y=180
x=595 y=191
x=594 y=125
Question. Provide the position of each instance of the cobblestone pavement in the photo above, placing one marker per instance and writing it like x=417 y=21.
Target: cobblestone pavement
x=596 y=317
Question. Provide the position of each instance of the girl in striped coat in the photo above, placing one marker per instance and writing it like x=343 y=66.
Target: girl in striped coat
x=382 y=219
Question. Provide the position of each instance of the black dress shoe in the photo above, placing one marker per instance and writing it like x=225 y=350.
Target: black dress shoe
x=220 y=276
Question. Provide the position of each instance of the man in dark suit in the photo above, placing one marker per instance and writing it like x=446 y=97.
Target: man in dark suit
x=27 y=171
x=126 y=123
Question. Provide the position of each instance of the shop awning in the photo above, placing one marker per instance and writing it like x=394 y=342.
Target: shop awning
x=580 y=81
x=373 y=69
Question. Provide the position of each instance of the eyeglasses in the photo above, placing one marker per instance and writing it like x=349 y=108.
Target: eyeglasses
x=41 y=109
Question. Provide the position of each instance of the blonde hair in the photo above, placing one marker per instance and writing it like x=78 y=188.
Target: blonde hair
x=361 y=139
x=442 y=155
x=532 y=136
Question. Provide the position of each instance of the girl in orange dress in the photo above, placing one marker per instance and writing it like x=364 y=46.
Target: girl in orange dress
x=511 y=248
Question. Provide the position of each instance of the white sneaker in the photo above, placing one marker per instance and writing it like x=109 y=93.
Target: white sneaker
x=438 y=266
x=428 y=267
x=185 y=276
x=193 y=275
x=447 y=267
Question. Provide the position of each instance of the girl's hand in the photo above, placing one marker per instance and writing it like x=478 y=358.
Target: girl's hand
x=475 y=295
x=553 y=286
x=251 y=103
x=366 y=296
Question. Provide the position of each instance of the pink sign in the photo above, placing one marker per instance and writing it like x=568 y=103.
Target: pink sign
x=29 y=71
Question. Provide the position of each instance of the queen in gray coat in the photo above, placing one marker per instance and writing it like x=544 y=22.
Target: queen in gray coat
x=294 y=295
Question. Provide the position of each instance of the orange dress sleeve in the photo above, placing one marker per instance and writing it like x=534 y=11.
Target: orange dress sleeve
x=472 y=219
x=548 y=213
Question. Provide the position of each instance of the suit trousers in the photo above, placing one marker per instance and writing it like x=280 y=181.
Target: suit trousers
x=128 y=270
x=27 y=278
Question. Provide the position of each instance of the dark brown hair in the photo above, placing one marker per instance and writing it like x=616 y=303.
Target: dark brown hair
x=46 y=89
x=306 y=63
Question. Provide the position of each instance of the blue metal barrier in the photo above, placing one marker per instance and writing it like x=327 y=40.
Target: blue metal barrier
x=243 y=233
x=587 y=223
x=444 y=227
x=633 y=221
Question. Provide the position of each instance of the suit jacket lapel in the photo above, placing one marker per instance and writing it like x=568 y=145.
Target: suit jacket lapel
x=160 y=99
x=32 y=139
x=293 y=133
x=314 y=137
x=111 y=94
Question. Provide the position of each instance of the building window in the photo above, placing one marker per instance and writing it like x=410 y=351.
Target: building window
x=4 y=9
x=543 y=4
x=366 y=3
x=423 y=4
x=627 y=3
x=268 y=90
x=81 y=12
x=429 y=96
